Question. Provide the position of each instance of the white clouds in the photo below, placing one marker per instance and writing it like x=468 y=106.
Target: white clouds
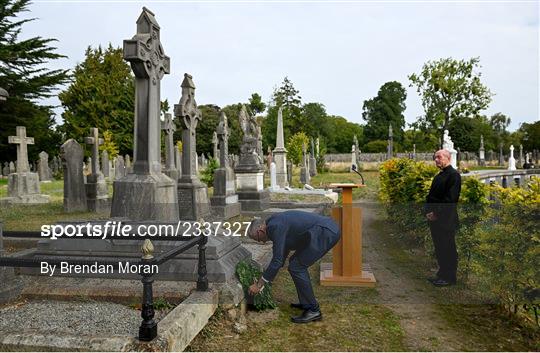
x=335 y=53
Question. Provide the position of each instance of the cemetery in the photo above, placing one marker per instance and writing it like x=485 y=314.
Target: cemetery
x=126 y=221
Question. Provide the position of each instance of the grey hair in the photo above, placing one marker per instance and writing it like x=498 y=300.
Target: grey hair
x=254 y=226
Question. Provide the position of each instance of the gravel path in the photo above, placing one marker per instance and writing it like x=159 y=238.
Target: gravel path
x=75 y=318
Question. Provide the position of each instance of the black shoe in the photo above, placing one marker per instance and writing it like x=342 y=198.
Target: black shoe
x=307 y=316
x=297 y=305
x=442 y=283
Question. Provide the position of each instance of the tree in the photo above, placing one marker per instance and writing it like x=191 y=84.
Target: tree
x=499 y=123
x=101 y=95
x=385 y=109
x=449 y=89
x=531 y=135
x=466 y=133
x=256 y=105
x=295 y=147
x=27 y=79
x=343 y=135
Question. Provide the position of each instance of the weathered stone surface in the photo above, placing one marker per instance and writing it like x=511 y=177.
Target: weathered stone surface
x=105 y=164
x=147 y=193
x=74 y=190
x=97 y=197
x=280 y=154
x=43 y=167
x=170 y=168
x=119 y=168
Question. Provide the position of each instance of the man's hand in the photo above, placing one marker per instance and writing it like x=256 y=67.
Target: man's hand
x=431 y=216
x=254 y=288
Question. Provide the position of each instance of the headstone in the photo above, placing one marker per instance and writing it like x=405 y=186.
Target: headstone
x=520 y=163
x=146 y=193
x=317 y=148
x=12 y=168
x=105 y=164
x=192 y=193
x=390 y=148
x=23 y=185
x=449 y=146
x=304 y=170
x=273 y=180
x=280 y=154
x=481 y=157
x=289 y=172
x=119 y=168
x=128 y=165
x=511 y=159
x=169 y=128
x=43 y=169
x=5 y=170
x=74 y=189
x=249 y=170
x=97 y=195
x=178 y=161
x=224 y=202
x=312 y=160
x=356 y=150
x=269 y=157
x=215 y=142
x=490 y=155
x=353 y=158
x=88 y=165
x=501 y=155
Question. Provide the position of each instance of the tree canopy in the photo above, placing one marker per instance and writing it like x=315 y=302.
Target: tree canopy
x=25 y=75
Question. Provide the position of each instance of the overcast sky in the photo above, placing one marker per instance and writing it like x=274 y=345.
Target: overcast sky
x=337 y=53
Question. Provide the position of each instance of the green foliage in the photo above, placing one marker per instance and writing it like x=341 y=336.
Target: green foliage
x=207 y=174
x=531 y=135
x=108 y=144
x=342 y=134
x=247 y=273
x=449 y=89
x=25 y=75
x=206 y=128
x=101 y=95
x=162 y=304
x=385 y=109
x=376 y=146
x=256 y=105
x=321 y=163
x=295 y=145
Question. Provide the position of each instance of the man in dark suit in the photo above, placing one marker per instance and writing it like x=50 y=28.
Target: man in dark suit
x=441 y=213
x=310 y=236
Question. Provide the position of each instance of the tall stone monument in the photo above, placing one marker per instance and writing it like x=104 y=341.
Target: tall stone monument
x=304 y=170
x=520 y=163
x=215 y=143
x=481 y=152
x=511 y=159
x=119 y=168
x=225 y=200
x=249 y=170
x=312 y=160
x=448 y=145
x=74 y=190
x=23 y=185
x=354 y=161
x=390 y=150
x=146 y=193
x=96 y=187
x=280 y=153
x=192 y=193
x=356 y=150
x=169 y=128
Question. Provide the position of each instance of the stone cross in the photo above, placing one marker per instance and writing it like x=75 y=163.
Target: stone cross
x=222 y=135
x=149 y=64
x=22 y=152
x=95 y=141
x=189 y=115
x=169 y=128
x=215 y=143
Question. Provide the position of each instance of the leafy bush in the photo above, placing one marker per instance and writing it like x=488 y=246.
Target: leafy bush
x=207 y=174
x=246 y=274
x=294 y=147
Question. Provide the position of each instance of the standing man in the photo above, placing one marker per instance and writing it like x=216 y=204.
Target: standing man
x=441 y=213
x=310 y=236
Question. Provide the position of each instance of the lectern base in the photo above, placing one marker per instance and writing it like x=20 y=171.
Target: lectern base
x=367 y=279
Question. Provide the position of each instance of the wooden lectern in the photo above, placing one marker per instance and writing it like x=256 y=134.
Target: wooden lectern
x=346 y=268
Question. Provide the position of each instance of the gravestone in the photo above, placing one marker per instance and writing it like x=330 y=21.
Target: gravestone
x=501 y=155
x=178 y=161
x=317 y=148
x=43 y=167
x=273 y=180
x=12 y=168
x=390 y=147
x=511 y=159
x=312 y=161
x=520 y=163
x=96 y=188
x=481 y=157
x=119 y=168
x=304 y=171
x=74 y=189
x=169 y=128
x=145 y=193
x=356 y=151
x=128 y=165
x=269 y=157
x=224 y=202
x=353 y=158
x=289 y=173
x=5 y=170
x=215 y=143
x=192 y=193
x=249 y=169
x=280 y=154
x=448 y=145
x=23 y=185
x=105 y=164
x=88 y=166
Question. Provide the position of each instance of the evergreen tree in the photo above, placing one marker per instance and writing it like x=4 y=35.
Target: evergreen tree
x=25 y=76
x=101 y=95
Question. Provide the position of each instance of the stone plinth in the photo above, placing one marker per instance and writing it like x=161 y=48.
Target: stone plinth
x=24 y=188
x=145 y=197
x=224 y=202
x=192 y=200
x=97 y=198
x=280 y=158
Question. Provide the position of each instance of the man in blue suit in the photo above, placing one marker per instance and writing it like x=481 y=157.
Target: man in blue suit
x=310 y=236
